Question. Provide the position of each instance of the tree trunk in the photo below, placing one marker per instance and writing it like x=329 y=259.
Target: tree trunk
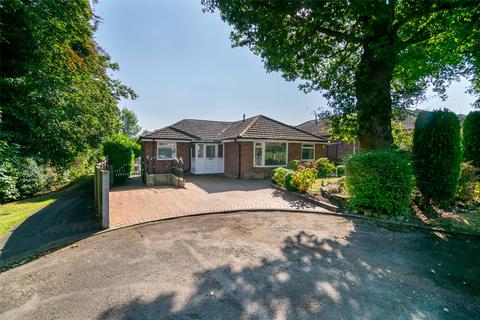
x=374 y=102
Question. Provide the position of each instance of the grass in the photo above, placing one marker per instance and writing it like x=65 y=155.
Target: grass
x=322 y=182
x=458 y=221
x=16 y=212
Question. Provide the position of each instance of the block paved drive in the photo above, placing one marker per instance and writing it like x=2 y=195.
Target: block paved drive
x=136 y=203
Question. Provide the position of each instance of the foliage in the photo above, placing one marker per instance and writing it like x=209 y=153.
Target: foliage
x=304 y=178
x=468 y=182
x=379 y=182
x=324 y=167
x=57 y=99
x=118 y=150
x=471 y=138
x=402 y=138
x=129 y=123
x=30 y=178
x=364 y=55
x=137 y=149
x=293 y=165
x=278 y=176
x=436 y=155
x=289 y=183
x=340 y=171
x=8 y=186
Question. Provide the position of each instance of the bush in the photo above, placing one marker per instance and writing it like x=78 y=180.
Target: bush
x=380 y=182
x=30 y=179
x=304 y=178
x=436 y=155
x=340 y=171
x=289 y=183
x=467 y=184
x=278 y=175
x=324 y=167
x=8 y=186
x=471 y=138
x=293 y=165
x=118 y=150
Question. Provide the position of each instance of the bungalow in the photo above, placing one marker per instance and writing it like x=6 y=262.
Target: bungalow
x=249 y=148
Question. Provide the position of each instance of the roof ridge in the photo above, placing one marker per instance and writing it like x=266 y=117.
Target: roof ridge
x=181 y=131
x=301 y=124
x=292 y=127
x=250 y=125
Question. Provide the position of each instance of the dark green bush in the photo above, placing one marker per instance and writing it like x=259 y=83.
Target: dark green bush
x=471 y=138
x=8 y=186
x=340 y=171
x=289 y=183
x=118 y=150
x=278 y=175
x=436 y=155
x=324 y=167
x=293 y=165
x=30 y=178
x=379 y=182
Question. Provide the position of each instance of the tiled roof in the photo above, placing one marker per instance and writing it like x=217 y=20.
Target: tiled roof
x=258 y=127
x=318 y=127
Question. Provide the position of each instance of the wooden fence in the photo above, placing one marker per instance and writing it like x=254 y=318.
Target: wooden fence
x=102 y=189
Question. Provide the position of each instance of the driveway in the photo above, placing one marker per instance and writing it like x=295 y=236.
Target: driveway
x=71 y=217
x=136 y=203
x=262 y=265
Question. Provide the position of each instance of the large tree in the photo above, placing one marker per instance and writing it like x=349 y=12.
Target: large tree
x=367 y=56
x=129 y=123
x=57 y=99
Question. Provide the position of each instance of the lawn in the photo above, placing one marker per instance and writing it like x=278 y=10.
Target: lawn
x=16 y=212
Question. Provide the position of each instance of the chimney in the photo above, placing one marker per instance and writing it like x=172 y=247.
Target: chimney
x=244 y=117
x=316 y=119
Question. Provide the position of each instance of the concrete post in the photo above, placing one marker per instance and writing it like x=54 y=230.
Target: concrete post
x=106 y=197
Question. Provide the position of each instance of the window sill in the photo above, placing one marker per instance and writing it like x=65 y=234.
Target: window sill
x=275 y=166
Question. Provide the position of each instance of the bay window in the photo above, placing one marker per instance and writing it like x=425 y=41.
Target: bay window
x=308 y=152
x=270 y=154
x=166 y=151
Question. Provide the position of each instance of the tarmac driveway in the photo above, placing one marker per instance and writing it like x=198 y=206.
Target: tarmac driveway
x=136 y=203
x=262 y=265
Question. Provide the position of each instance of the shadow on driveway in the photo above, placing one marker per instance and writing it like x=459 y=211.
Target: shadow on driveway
x=70 y=218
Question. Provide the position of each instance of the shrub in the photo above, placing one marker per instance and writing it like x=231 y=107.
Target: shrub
x=278 y=176
x=340 y=171
x=324 y=167
x=436 y=155
x=293 y=165
x=289 y=183
x=380 y=182
x=469 y=178
x=304 y=178
x=8 y=187
x=30 y=179
x=118 y=150
x=471 y=138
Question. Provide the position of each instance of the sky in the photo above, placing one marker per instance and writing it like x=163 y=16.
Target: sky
x=180 y=62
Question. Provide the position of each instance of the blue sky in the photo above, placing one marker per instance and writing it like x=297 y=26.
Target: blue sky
x=181 y=64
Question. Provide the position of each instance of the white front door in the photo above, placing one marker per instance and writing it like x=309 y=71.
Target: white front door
x=207 y=158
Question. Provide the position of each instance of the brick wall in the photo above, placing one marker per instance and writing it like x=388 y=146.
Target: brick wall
x=230 y=154
x=320 y=151
x=149 y=148
x=294 y=151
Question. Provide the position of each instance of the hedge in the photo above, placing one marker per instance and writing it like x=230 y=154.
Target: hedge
x=379 y=182
x=471 y=138
x=437 y=155
x=119 y=151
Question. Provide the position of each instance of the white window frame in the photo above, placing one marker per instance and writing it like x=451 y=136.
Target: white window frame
x=166 y=144
x=310 y=148
x=263 y=154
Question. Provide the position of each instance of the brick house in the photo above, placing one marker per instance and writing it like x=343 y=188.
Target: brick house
x=249 y=148
x=336 y=150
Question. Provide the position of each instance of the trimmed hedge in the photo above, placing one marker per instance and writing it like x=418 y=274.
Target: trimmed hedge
x=278 y=175
x=119 y=151
x=289 y=182
x=324 y=167
x=379 y=182
x=437 y=155
x=471 y=138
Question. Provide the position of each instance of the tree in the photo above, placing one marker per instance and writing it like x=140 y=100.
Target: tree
x=57 y=100
x=471 y=138
x=367 y=55
x=402 y=138
x=129 y=123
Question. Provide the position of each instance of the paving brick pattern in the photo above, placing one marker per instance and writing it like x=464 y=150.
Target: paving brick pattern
x=133 y=204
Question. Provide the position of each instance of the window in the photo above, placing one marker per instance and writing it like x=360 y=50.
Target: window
x=220 y=150
x=199 y=150
x=210 y=151
x=270 y=154
x=308 y=152
x=166 y=151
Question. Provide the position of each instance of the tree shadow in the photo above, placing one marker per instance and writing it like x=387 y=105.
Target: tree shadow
x=70 y=218
x=339 y=278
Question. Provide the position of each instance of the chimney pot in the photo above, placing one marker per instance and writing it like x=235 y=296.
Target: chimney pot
x=244 y=117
